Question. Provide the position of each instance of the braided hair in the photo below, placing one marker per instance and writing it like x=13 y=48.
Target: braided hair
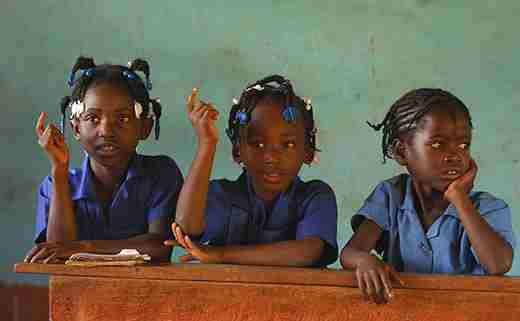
x=91 y=75
x=278 y=90
x=406 y=113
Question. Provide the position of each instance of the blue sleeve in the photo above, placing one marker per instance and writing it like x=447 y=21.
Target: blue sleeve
x=216 y=215
x=166 y=190
x=42 y=211
x=320 y=218
x=497 y=214
x=376 y=208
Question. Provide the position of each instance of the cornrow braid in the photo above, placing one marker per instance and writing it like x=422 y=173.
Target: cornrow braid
x=279 y=90
x=91 y=75
x=405 y=114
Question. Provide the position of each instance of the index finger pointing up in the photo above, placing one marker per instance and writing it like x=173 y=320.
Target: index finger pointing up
x=192 y=100
x=40 y=124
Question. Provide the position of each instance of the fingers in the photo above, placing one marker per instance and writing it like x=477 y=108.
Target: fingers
x=41 y=255
x=31 y=253
x=40 y=124
x=171 y=243
x=393 y=275
x=187 y=258
x=179 y=236
x=192 y=100
x=361 y=284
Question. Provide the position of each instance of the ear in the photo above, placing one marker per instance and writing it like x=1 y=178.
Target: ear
x=399 y=151
x=74 y=124
x=308 y=156
x=146 y=128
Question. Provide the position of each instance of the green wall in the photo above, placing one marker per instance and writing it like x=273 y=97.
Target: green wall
x=353 y=58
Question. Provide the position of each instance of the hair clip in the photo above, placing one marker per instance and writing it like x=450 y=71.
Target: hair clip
x=76 y=108
x=289 y=114
x=235 y=101
x=308 y=104
x=128 y=74
x=138 y=108
x=241 y=117
x=256 y=87
x=87 y=72
x=148 y=83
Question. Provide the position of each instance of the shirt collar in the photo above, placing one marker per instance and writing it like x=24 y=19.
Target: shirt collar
x=86 y=187
x=245 y=196
x=408 y=201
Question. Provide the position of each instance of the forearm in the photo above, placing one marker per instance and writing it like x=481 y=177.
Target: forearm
x=192 y=198
x=301 y=253
x=61 y=226
x=149 y=243
x=493 y=252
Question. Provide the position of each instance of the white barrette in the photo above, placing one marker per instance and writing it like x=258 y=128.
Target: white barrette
x=76 y=108
x=308 y=104
x=235 y=101
x=257 y=87
x=138 y=108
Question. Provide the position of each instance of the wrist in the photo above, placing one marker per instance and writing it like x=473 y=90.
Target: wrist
x=61 y=171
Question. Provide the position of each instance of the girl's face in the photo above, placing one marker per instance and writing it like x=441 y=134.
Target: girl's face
x=108 y=129
x=272 y=150
x=438 y=152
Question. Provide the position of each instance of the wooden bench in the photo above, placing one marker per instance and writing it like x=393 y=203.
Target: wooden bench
x=230 y=292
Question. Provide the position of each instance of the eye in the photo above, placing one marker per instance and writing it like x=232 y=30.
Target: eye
x=259 y=145
x=436 y=145
x=91 y=118
x=124 y=118
x=464 y=146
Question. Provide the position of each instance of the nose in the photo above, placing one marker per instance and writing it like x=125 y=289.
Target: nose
x=106 y=127
x=452 y=156
x=272 y=154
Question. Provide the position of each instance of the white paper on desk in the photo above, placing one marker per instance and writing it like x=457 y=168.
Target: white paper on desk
x=124 y=255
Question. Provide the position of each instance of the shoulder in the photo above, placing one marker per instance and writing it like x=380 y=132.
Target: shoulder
x=393 y=188
x=309 y=189
x=159 y=166
x=487 y=202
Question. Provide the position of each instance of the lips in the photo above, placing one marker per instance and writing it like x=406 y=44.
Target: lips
x=107 y=149
x=273 y=177
x=452 y=173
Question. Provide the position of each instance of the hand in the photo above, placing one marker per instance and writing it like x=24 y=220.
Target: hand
x=205 y=254
x=54 y=252
x=462 y=185
x=374 y=279
x=202 y=117
x=52 y=141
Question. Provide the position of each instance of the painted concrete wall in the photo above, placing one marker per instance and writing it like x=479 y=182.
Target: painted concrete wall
x=353 y=58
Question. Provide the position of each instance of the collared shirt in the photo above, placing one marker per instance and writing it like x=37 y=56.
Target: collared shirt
x=148 y=192
x=445 y=247
x=236 y=216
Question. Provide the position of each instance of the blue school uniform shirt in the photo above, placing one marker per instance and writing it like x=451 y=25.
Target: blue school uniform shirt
x=148 y=192
x=236 y=216
x=445 y=247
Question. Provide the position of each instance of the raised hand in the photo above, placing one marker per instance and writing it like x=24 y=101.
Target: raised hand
x=462 y=185
x=204 y=253
x=53 y=143
x=374 y=278
x=202 y=117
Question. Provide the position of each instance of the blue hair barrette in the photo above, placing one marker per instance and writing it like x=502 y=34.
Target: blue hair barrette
x=148 y=84
x=241 y=117
x=289 y=114
x=84 y=72
x=129 y=74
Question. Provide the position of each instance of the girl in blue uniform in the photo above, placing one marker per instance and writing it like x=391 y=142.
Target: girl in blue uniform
x=268 y=216
x=429 y=220
x=118 y=199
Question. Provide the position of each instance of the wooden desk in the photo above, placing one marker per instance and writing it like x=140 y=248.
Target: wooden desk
x=228 y=292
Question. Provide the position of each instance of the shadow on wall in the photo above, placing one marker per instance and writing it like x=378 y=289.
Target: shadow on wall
x=24 y=302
